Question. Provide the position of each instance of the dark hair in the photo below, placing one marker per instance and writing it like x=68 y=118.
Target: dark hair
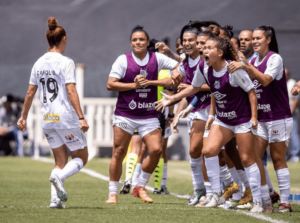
x=206 y=32
x=151 y=46
x=55 y=33
x=192 y=30
x=214 y=29
x=139 y=29
x=228 y=31
x=270 y=32
x=237 y=40
x=226 y=46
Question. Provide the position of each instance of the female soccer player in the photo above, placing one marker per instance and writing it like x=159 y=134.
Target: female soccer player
x=62 y=119
x=235 y=105
x=135 y=109
x=275 y=121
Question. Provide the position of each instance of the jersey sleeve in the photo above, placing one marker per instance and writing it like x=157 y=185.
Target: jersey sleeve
x=194 y=101
x=181 y=69
x=240 y=78
x=32 y=79
x=198 y=79
x=165 y=62
x=275 y=67
x=119 y=67
x=70 y=72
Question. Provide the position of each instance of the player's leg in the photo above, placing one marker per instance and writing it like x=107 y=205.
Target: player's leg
x=138 y=167
x=164 y=189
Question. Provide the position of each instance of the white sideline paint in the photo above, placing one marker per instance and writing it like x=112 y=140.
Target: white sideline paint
x=95 y=174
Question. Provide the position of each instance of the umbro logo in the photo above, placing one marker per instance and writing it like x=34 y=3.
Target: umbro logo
x=256 y=84
x=219 y=96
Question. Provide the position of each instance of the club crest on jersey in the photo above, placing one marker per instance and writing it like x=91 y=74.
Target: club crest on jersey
x=219 y=96
x=217 y=84
x=143 y=72
x=132 y=105
x=51 y=117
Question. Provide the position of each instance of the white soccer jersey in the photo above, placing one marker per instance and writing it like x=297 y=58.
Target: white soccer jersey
x=51 y=73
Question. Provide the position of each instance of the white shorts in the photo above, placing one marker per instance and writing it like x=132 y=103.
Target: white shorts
x=74 y=139
x=202 y=114
x=242 y=128
x=168 y=132
x=275 y=131
x=143 y=126
x=190 y=118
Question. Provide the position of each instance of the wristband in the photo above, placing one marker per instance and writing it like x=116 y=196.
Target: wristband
x=211 y=116
x=81 y=118
x=170 y=116
x=190 y=107
x=242 y=64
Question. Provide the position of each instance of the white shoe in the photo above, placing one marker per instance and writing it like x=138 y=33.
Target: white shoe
x=60 y=190
x=215 y=201
x=56 y=203
x=257 y=207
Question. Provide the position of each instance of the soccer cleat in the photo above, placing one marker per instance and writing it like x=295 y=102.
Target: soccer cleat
x=247 y=197
x=275 y=197
x=268 y=206
x=284 y=208
x=197 y=194
x=215 y=201
x=125 y=189
x=230 y=190
x=164 y=190
x=203 y=201
x=59 y=187
x=56 y=203
x=156 y=191
x=245 y=206
x=141 y=192
x=256 y=207
x=113 y=199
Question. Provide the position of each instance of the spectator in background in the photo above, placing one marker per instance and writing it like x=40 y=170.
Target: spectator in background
x=9 y=115
x=294 y=101
x=236 y=43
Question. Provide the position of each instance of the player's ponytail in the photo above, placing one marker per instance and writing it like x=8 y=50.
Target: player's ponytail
x=270 y=32
x=55 y=33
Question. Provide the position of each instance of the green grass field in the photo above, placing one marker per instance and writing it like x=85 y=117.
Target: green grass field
x=25 y=196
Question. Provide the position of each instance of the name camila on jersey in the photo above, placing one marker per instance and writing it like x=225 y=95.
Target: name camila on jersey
x=45 y=72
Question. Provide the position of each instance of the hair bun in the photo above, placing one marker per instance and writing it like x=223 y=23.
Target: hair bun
x=52 y=23
x=228 y=27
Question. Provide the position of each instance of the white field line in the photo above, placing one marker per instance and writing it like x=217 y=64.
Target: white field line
x=95 y=174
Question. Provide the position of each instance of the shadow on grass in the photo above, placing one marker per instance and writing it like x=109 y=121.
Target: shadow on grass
x=84 y=208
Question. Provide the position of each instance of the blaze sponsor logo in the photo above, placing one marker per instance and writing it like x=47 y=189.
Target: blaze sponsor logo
x=217 y=84
x=71 y=140
x=229 y=115
x=146 y=105
x=256 y=84
x=143 y=95
x=51 y=117
x=132 y=105
x=219 y=96
x=264 y=107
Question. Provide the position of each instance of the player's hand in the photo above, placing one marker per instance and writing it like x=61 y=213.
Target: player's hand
x=181 y=87
x=175 y=123
x=22 y=124
x=169 y=121
x=163 y=103
x=162 y=48
x=140 y=81
x=295 y=90
x=185 y=113
x=254 y=122
x=83 y=125
x=209 y=123
x=176 y=77
x=234 y=66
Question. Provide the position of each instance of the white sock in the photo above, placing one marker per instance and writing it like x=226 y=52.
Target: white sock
x=213 y=173
x=208 y=188
x=243 y=177
x=225 y=175
x=284 y=184
x=143 y=179
x=72 y=167
x=136 y=174
x=265 y=193
x=236 y=196
x=53 y=190
x=113 y=187
x=253 y=175
x=197 y=175
x=164 y=178
x=270 y=186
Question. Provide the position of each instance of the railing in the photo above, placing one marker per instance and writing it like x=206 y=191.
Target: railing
x=98 y=113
